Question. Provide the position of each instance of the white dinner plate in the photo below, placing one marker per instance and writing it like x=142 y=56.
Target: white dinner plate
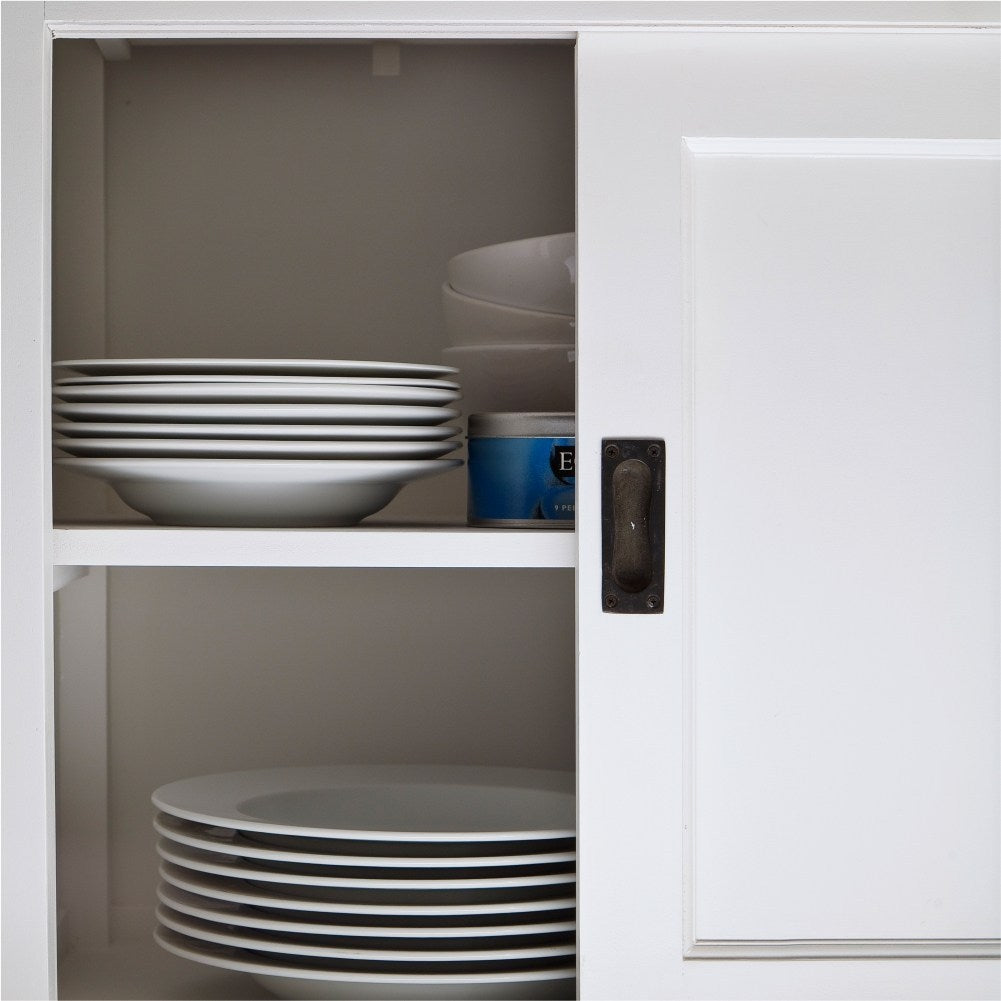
x=275 y=898
x=299 y=432
x=252 y=366
x=428 y=850
x=242 y=916
x=381 y=802
x=260 y=413
x=396 y=953
x=327 y=380
x=230 y=842
x=224 y=448
x=234 y=392
x=258 y=493
x=396 y=886
x=297 y=980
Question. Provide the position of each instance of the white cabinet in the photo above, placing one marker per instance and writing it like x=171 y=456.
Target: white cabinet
x=788 y=253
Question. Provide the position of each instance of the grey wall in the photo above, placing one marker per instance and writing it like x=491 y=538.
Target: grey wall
x=218 y=670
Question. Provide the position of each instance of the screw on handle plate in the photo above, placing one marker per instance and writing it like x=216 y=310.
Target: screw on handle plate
x=632 y=497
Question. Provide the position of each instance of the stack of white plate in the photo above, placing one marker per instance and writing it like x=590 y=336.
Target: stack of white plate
x=382 y=882
x=509 y=312
x=254 y=442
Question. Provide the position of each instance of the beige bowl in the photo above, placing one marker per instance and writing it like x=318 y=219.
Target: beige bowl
x=516 y=377
x=470 y=321
x=539 y=273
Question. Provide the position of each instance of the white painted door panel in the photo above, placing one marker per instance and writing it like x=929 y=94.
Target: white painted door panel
x=844 y=446
x=793 y=237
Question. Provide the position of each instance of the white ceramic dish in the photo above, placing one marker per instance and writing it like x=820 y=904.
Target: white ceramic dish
x=516 y=378
x=396 y=887
x=272 y=432
x=254 y=380
x=238 y=392
x=251 y=366
x=257 y=493
x=280 y=413
x=211 y=448
x=536 y=273
x=476 y=321
x=347 y=894
x=394 y=953
x=287 y=979
x=230 y=842
x=382 y=802
x=429 y=850
x=276 y=898
x=241 y=916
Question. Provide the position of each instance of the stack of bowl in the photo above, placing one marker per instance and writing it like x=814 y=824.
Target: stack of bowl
x=509 y=312
x=254 y=442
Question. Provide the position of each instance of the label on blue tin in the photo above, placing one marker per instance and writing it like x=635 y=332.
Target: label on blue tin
x=524 y=480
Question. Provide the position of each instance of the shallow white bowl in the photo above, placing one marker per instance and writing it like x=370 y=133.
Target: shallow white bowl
x=258 y=493
x=537 y=273
x=477 y=321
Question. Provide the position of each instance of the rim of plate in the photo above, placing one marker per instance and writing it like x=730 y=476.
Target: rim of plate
x=249 y=431
x=277 y=366
x=266 y=392
x=239 y=891
x=226 y=865
x=231 y=958
x=262 y=413
x=206 y=931
x=202 y=836
x=211 y=909
x=217 y=799
x=250 y=448
x=249 y=378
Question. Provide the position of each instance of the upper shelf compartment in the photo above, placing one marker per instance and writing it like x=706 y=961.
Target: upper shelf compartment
x=280 y=200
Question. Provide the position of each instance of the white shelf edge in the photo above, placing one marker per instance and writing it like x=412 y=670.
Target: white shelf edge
x=386 y=546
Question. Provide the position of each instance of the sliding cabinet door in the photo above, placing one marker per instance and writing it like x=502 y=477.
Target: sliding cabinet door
x=788 y=269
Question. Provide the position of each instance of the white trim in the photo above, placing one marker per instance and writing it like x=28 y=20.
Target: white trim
x=959 y=149
x=467 y=30
x=688 y=548
x=931 y=948
x=29 y=912
x=147 y=545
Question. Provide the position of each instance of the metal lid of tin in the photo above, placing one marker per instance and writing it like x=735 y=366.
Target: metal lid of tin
x=522 y=425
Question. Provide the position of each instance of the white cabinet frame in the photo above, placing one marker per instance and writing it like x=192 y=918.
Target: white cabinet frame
x=29 y=919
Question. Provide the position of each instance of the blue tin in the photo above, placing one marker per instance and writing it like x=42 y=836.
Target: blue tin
x=522 y=469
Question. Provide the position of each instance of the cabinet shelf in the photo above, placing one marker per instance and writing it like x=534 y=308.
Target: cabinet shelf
x=386 y=545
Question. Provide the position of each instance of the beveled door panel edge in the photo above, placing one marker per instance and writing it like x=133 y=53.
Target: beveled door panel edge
x=698 y=147
x=931 y=948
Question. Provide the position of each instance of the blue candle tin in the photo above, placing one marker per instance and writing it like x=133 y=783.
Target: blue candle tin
x=522 y=470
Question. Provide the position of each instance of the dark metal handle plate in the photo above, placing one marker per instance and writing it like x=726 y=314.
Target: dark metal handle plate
x=632 y=524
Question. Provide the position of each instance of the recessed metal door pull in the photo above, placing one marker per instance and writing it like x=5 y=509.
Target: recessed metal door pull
x=633 y=524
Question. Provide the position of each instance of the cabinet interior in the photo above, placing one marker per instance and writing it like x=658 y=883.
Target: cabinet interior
x=284 y=200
